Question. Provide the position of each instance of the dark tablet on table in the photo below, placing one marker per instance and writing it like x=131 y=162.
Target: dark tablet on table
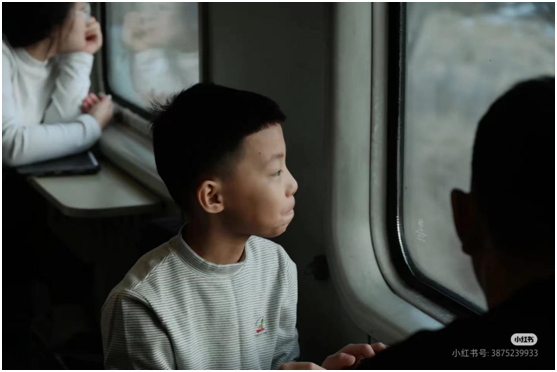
x=84 y=163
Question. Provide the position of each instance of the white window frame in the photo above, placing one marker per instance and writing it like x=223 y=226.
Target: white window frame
x=371 y=291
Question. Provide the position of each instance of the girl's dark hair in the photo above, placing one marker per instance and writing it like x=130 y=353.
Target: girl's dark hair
x=25 y=24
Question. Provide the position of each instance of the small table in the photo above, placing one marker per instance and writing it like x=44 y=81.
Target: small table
x=109 y=193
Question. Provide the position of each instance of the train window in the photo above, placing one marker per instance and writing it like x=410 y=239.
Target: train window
x=459 y=57
x=152 y=50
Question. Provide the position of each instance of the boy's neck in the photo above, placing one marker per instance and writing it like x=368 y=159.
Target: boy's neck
x=212 y=242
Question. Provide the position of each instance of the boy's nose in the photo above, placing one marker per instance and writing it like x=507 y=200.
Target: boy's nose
x=293 y=185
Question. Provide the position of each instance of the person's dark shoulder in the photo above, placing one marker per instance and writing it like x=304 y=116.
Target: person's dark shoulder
x=423 y=350
x=465 y=344
x=484 y=342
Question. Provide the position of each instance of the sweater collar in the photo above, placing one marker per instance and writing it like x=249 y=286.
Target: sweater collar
x=204 y=266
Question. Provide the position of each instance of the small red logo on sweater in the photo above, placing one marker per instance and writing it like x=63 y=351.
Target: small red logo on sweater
x=260 y=326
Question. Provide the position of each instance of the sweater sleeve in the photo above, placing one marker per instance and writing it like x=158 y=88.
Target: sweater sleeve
x=70 y=87
x=287 y=348
x=133 y=337
x=24 y=143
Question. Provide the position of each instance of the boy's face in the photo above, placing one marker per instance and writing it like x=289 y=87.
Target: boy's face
x=259 y=193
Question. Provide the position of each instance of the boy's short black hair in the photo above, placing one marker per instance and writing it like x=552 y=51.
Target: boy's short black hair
x=25 y=24
x=201 y=128
x=513 y=169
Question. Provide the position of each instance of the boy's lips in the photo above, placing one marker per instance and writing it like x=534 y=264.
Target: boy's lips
x=291 y=209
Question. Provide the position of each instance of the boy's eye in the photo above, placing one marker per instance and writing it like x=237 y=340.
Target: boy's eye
x=278 y=173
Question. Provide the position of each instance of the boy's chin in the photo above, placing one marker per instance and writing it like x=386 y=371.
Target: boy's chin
x=277 y=231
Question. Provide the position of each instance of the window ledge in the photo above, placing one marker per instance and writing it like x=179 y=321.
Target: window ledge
x=86 y=196
x=133 y=153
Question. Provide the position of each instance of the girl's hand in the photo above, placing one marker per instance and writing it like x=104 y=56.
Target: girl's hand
x=93 y=36
x=91 y=100
x=102 y=110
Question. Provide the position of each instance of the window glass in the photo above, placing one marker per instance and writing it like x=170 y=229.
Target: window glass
x=152 y=49
x=459 y=58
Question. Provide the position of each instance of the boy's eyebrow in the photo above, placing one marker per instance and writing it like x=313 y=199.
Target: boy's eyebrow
x=276 y=156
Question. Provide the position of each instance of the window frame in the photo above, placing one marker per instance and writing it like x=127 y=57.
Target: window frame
x=356 y=229
x=202 y=21
x=400 y=255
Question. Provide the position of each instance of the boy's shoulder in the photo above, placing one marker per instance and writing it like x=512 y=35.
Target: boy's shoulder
x=155 y=263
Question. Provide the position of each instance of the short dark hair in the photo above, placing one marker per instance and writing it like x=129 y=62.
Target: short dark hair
x=201 y=128
x=513 y=169
x=25 y=24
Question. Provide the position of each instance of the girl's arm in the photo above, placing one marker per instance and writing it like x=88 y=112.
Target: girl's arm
x=71 y=87
x=25 y=143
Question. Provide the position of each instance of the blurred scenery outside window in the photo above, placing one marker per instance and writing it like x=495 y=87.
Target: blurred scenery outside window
x=153 y=50
x=459 y=58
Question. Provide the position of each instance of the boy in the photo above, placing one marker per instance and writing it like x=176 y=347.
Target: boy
x=218 y=295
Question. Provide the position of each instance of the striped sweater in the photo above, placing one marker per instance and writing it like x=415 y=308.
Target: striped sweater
x=174 y=310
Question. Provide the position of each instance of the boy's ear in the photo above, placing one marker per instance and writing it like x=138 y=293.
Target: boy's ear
x=209 y=196
x=465 y=216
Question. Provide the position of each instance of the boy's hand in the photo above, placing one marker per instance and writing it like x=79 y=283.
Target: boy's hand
x=349 y=355
x=346 y=357
x=93 y=36
x=300 y=365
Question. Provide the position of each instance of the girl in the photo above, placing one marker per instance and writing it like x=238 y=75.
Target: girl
x=47 y=55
